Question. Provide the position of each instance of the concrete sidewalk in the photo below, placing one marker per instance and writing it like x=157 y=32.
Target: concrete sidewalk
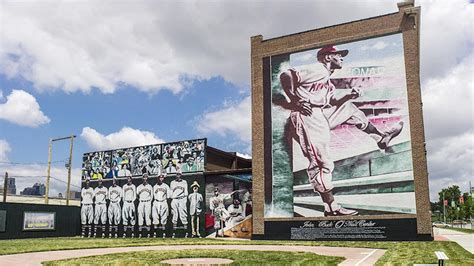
x=464 y=240
x=354 y=256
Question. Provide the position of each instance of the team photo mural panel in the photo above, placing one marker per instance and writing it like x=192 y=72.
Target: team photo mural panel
x=153 y=190
x=341 y=142
x=151 y=206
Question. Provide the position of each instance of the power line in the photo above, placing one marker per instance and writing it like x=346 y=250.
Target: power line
x=39 y=176
x=32 y=163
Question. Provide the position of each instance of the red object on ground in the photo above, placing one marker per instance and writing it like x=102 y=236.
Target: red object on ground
x=209 y=218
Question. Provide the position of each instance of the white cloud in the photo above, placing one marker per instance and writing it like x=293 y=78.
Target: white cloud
x=77 y=45
x=377 y=46
x=125 y=137
x=233 y=119
x=21 y=108
x=4 y=150
x=244 y=155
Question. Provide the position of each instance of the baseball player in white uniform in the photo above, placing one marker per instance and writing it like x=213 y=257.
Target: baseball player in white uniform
x=128 y=209
x=179 y=196
x=100 y=214
x=87 y=211
x=236 y=213
x=195 y=208
x=115 y=212
x=315 y=111
x=247 y=200
x=145 y=196
x=160 y=210
x=216 y=204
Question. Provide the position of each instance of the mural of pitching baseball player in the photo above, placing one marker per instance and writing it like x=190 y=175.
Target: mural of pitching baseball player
x=87 y=211
x=145 y=196
x=115 y=211
x=128 y=209
x=160 y=210
x=315 y=110
x=179 y=196
x=218 y=210
x=195 y=209
x=100 y=211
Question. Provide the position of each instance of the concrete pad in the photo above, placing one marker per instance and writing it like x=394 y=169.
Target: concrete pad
x=197 y=261
x=464 y=240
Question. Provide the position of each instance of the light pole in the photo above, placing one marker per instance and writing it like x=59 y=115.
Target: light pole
x=444 y=209
x=50 y=148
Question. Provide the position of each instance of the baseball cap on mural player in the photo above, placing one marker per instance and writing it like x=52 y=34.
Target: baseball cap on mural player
x=330 y=49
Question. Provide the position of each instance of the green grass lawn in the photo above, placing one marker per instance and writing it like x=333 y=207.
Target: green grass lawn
x=239 y=257
x=397 y=252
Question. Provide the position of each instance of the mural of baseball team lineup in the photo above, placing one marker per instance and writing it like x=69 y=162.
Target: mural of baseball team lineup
x=340 y=129
x=161 y=191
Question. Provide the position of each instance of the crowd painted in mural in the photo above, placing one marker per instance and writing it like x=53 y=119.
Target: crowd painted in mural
x=188 y=156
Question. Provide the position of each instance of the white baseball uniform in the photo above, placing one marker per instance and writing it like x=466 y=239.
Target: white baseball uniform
x=312 y=132
x=236 y=214
x=179 y=199
x=128 y=209
x=100 y=194
x=195 y=203
x=217 y=207
x=114 y=211
x=87 y=211
x=145 y=195
x=246 y=200
x=160 y=210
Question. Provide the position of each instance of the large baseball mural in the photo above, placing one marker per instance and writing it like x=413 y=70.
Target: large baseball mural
x=340 y=131
x=161 y=191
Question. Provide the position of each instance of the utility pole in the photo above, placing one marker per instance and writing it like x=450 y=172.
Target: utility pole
x=5 y=189
x=50 y=147
x=69 y=169
x=470 y=193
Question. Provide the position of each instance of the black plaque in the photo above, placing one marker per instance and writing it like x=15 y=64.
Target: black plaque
x=360 y=229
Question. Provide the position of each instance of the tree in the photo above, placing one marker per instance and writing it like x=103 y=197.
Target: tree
x=460 y=210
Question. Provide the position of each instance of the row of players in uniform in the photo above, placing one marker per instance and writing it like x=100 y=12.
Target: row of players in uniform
x=177 y=191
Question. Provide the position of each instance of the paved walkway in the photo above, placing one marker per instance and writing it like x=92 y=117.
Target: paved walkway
x=464 y=240
x=354 y=256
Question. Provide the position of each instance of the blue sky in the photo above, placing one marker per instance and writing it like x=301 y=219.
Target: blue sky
x=171 y=117
x=136 y=72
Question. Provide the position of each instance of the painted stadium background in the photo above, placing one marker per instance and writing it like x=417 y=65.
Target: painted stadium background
x=189 y=156
x=366 y=179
